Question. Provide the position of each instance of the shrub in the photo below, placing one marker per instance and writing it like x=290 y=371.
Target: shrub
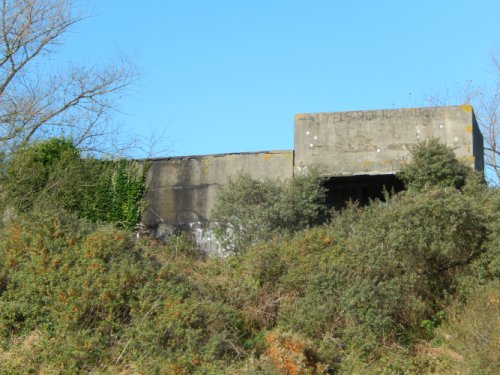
x=71 y=281
x=62 y=272
x=40 y=171
x=365 y=282
x=248 y=211
x=433 y=164
x=92 y=299
x=52 y=173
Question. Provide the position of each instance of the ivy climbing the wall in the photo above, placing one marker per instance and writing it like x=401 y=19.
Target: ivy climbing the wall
x=117 y=195
x=53 y=173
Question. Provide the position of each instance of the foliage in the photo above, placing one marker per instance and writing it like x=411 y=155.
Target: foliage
x=373 y=284
x=87 y=298
x=53 y=173
x=407 y=286
x=117 y=192
x=71 y=282
x=433 y=164
x=39 y=170
x=291 y=354
x=248 y=211
x=470 y=338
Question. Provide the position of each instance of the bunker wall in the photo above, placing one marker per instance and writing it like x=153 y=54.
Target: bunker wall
x=181 y=191
x=378 y=142
x=359 y=153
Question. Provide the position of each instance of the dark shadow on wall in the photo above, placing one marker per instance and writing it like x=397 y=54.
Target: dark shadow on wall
x=361 y=189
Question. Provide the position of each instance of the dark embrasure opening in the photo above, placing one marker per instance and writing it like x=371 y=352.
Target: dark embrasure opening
x=361 y=188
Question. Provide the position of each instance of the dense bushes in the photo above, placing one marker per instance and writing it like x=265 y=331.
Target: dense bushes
x=52 y=173
x=67 y=280
x=248 y=211
x=409 y=285
x=40 y=172
x=88 y=298
x=373 y=282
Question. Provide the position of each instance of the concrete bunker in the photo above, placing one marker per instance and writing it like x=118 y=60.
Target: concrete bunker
x=359 y=153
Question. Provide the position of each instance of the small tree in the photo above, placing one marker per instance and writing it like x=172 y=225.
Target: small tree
x=433 y=164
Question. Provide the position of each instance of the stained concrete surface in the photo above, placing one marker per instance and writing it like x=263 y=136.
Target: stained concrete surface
x=378 y=142
x=358 y=152
x=181 y=191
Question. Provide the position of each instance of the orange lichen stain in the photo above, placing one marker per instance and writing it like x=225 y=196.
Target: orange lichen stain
x=266 y=156
x=367 y=162
x=466 y=108
x=468 y=128
x=298 y=116
x=470 y=158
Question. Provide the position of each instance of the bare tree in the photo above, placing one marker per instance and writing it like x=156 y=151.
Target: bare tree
x=486 y=102
x=36 y=104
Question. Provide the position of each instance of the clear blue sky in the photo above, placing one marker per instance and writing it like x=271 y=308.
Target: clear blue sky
x=228 y=76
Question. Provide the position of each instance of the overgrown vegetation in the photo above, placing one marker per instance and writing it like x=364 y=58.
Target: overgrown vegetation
x=53 y=173
x=250 y=211
x=433 y=165
x=408 y=286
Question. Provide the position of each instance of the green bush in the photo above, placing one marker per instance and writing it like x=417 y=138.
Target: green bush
x=39 y=172
x=66 y=278
x=433 y=164
x=486 y=267
x=53 y=173
x=368 y=281
x=248 y=211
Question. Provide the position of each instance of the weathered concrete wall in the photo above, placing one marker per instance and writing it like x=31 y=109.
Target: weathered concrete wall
x=354 y=149
x=182 y=190
x=378 y=142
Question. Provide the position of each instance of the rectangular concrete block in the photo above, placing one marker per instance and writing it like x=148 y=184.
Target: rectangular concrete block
x=378 y=142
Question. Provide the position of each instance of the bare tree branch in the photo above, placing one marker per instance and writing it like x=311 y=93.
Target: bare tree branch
x=486 y=103
x=34 y=104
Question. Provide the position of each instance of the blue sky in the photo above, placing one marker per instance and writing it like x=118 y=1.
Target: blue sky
x=228 y=76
